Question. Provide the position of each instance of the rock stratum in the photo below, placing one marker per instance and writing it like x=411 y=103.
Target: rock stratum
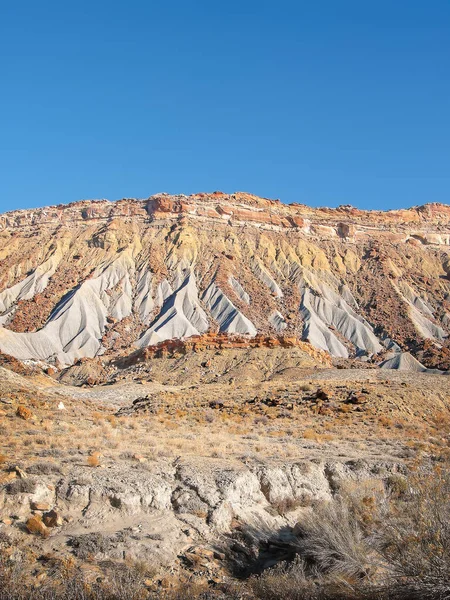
x=100 y=278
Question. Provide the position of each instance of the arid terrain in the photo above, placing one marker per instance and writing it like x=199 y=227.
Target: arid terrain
x=198 y=392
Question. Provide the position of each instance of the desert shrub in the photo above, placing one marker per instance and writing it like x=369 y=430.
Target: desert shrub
x=367 y=502
x=309 y=434
x=90 y=544
x=11 y=581
x=415 y=538
x=394 y=546
x=112 y=420
x=44 y=468
x=199 y=590
x=285 y=581
x=295 y=581
x=55 y=452
x=93 y=460
x=333 y=541
x=21 y=486
x=127 y=455
x=123 y=583
x=210 y=416
x=306 y=387
x=397 y=484
x=289 y=504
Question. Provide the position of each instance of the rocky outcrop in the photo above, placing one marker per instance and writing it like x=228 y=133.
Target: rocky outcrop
x=212 y=341
x=424 y=224
x=157 y=512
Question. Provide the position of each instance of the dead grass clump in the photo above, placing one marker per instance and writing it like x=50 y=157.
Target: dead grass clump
x=54 y=452
x=306 y=387
x=24 y=413
x=397 y=485
x=385 y=421
x=287 y=582
x=93 y=460
x=210 y=417
x=333 y=540
x=123 y=582
x=309 y=434
x=112 y=420
x=415 y=538
x=287 y=505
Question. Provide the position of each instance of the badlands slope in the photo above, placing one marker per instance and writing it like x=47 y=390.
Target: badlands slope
x=108 y=278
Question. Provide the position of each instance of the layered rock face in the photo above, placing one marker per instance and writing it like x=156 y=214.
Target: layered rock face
x=108 y=278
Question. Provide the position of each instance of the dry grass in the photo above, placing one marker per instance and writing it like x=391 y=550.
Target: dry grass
x=186 y=426
x=358 y=547
x=229 y=432
x=93 y=460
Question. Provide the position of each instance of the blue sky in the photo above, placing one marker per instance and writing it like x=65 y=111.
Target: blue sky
x=326 y=102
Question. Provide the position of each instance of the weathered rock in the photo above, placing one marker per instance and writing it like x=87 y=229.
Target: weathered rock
x=35 y=525
x=52 y=519
x=40 y=506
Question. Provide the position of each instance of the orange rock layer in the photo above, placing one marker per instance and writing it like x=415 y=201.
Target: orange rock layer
x=221 y=341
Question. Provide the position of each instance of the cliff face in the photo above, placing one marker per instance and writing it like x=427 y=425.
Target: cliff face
x=428 y=223
x=99 y=277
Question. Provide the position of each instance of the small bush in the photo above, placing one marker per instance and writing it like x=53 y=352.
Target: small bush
x=287 y=582
x=21 y=486
x=44 y=468
x=306 y=387
x=385 y=421
x=88 y=545
x=394 y=547
x=332 y=540
x=24 y=413
x=210 y=416
x=415 y=538
x=290 y=504
x=397 y=485
x=309 y=434
x=93 y=460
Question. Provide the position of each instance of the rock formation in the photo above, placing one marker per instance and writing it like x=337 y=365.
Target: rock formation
x=107 y=278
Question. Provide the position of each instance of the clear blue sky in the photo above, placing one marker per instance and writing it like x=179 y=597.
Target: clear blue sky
x=324 y=102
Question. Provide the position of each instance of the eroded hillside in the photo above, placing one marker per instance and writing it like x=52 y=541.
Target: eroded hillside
x=100 y=278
